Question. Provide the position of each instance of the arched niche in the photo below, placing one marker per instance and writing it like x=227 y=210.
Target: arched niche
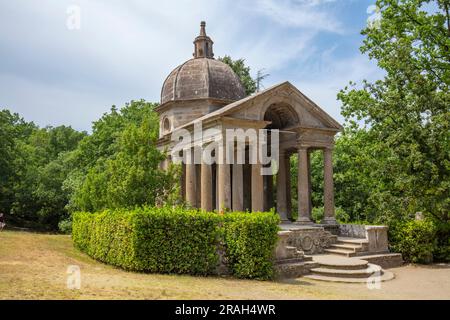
x=281 y=115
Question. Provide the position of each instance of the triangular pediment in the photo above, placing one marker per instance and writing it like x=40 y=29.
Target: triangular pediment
x=254 y=107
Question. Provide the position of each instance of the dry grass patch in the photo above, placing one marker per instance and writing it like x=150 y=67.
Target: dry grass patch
x=33 y=266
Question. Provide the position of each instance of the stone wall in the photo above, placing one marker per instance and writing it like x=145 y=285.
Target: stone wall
x=376 y=236
x=311 y=240
x=352 y=230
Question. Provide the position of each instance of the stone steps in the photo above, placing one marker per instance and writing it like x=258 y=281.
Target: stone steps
x=352 y=240
x=348 y=247
x=356 y=247
x=339 y=263
x=342 y=269
x=347 y=273
x=386 y=276
x=342 y=252
x=291 y=262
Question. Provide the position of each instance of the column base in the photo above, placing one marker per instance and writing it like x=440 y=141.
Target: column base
x=304 y=221
x=329 y=221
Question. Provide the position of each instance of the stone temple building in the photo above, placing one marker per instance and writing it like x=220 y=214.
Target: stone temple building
x=204 y=100
x=204 y=89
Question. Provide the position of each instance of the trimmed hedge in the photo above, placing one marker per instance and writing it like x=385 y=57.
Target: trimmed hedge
x=177 y=240
x=249 y=240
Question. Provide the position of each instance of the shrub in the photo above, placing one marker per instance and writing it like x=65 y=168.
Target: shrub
x=161 y=240
x=249 y=240
x=442 y=250
x=65 y=226
x=415 y=239
x=176 y=240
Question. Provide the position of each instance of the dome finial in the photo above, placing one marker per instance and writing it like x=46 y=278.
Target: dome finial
x=203 y=29
x=203 y=44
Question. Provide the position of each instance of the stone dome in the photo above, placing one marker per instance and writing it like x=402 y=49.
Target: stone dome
x=202 y=77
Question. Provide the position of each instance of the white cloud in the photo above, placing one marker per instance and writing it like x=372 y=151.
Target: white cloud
x=307 y=14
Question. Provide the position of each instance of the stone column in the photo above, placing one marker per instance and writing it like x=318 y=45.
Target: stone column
x=223 y=181
x=191 y=192
x=238 y=187
x=257 y=188
x=304 y=195
x=328 y=192
x=206 y=187
x=288 y=186
x=282 y=198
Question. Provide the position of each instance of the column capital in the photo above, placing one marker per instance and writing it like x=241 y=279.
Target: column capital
x=303 y=148
x=329 y=147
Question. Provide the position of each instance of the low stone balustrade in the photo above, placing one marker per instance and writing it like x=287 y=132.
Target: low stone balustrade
x=376 y=236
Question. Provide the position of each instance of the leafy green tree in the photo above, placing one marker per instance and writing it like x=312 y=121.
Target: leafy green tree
x=408 y=111
x=121 y=162
x=398 y=129
x=40 y=169
x=243 y=73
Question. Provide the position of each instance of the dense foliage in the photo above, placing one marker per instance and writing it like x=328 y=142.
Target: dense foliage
x=45 y=174
x=249 y=241
x=394 y=157
x=415 y=239
x=33 y=169
x=160 y=240
x=177 y=240
x=119 y=163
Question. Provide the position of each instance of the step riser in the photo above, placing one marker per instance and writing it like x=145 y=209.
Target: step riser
x=359 y=276
x=362 y=245
x=385 y=277
x=350 y=249
x=341 y=267
x=343 y=275
x=341 y=253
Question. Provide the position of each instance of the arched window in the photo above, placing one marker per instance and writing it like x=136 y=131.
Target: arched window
x=166 y=125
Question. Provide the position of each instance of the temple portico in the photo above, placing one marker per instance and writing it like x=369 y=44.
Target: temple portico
x=205 y=93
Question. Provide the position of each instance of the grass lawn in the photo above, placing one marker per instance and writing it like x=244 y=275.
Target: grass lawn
x=34 y=266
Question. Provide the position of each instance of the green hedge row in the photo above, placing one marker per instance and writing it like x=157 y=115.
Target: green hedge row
x=176 y=240
x=249 y=240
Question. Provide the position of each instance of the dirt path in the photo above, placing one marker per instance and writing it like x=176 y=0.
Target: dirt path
x=34 y=266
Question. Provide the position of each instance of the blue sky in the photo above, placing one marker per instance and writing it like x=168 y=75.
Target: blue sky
x=124 y=50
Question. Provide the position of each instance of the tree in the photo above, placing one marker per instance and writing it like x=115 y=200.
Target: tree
x=12 y=128
x=400 y=124
x=124 y=171
x=243 y=73
x=32 y=170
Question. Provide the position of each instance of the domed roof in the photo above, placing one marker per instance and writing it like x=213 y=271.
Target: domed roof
x=202 y=77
